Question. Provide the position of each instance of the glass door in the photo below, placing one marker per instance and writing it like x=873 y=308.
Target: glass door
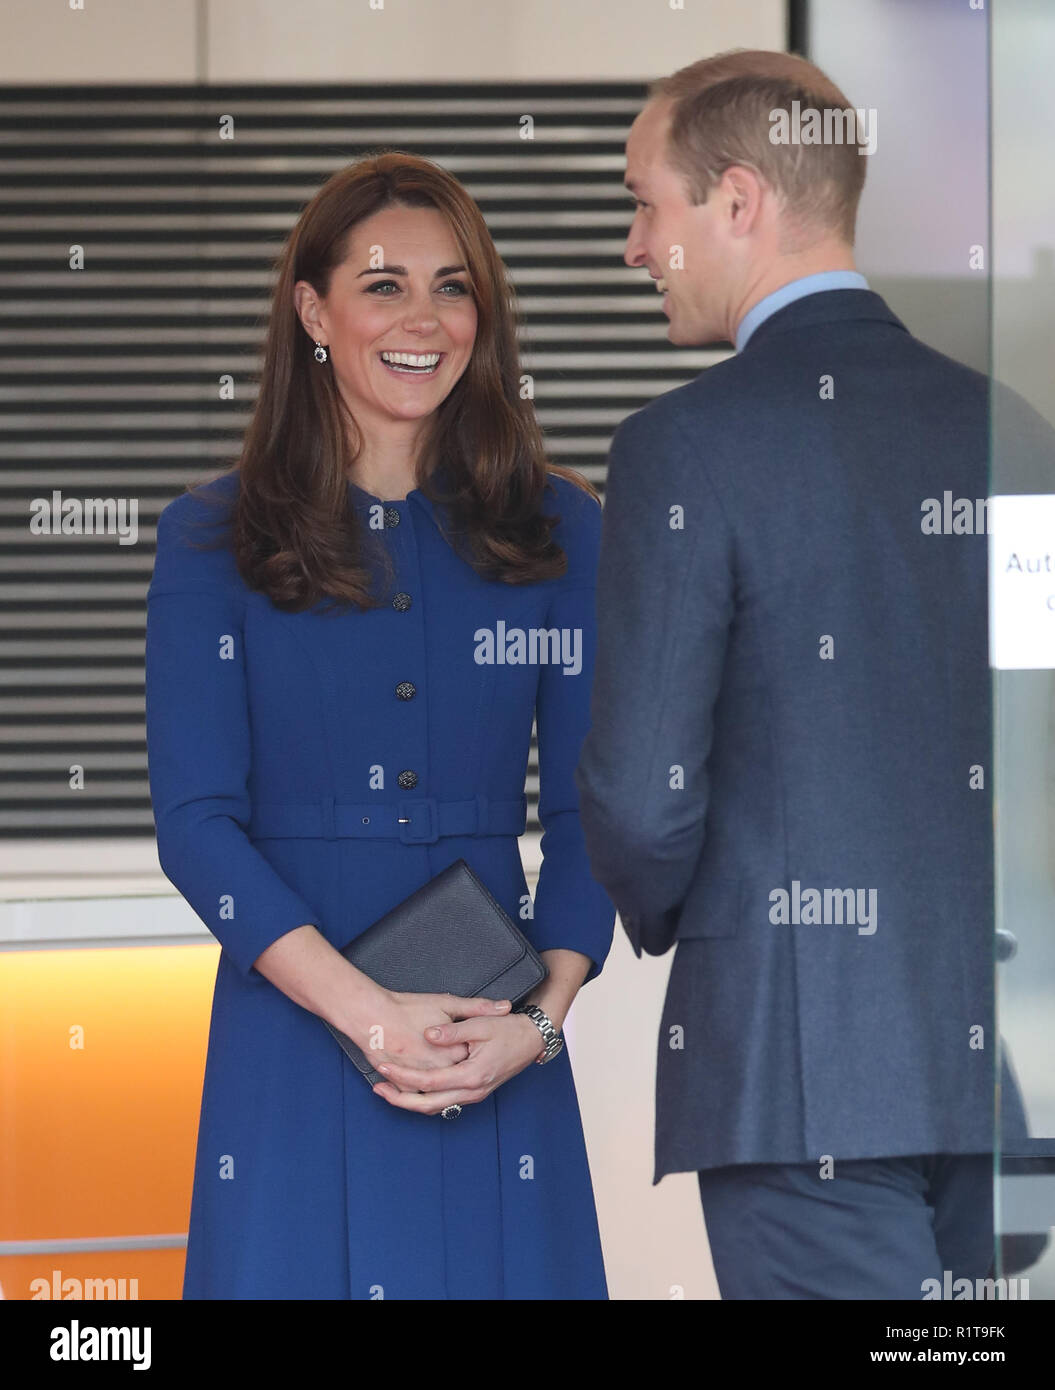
x=1022 y=631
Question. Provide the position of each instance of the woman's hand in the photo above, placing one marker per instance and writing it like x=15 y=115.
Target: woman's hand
x=397 y=1035
x=498 y=1048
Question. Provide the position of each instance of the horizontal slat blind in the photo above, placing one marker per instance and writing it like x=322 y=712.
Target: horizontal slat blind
x=109 y=374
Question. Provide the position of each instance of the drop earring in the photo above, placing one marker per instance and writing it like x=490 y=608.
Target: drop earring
x=320 y=352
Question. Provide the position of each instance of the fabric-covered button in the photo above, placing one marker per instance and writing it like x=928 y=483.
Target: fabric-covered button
x=401 y=602
x=406 y=691
x=407 y=779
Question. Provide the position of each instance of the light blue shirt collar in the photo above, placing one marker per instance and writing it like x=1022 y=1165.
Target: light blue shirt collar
x=796 y=289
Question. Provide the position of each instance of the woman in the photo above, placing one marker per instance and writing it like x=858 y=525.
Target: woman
x=340 y=690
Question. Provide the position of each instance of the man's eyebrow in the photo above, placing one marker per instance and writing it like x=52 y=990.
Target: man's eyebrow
x=402 y=270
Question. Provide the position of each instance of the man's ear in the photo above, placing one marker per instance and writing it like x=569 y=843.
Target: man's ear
x=742 y=191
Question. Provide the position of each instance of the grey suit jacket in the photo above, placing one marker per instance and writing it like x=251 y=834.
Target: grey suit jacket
x=788 y=769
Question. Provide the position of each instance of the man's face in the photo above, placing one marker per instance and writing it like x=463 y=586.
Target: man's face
x=696 y=275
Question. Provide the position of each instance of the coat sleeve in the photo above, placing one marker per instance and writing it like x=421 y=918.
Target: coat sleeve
x=198 y=750
x=665 y=599
x=571 y=908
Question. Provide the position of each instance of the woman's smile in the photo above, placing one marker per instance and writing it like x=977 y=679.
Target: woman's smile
x=407 y=363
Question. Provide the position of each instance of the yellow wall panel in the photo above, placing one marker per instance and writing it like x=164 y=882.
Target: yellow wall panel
x=102 y=1054
x=145 y=1274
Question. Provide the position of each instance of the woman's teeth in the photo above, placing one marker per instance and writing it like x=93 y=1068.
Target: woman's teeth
x=412 y=363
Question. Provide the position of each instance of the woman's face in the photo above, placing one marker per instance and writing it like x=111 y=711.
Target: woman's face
x=402 y=289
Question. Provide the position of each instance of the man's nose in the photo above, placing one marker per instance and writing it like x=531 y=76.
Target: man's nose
x=634 y=254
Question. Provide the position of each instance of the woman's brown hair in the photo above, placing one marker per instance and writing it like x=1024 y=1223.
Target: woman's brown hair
x=294 y=534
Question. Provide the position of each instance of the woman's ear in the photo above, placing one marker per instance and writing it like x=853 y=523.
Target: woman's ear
x=309 y=310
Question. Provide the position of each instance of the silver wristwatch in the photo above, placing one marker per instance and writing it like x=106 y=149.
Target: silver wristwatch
x=554 y=1041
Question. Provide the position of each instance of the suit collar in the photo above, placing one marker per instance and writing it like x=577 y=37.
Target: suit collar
x=826 y=306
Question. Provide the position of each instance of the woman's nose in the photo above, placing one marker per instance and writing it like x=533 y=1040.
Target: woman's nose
x=420 y=313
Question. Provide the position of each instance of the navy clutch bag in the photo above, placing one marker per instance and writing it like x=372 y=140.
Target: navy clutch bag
x=449 y=937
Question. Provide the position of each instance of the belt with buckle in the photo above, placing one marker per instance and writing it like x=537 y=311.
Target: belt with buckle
x=414 y=820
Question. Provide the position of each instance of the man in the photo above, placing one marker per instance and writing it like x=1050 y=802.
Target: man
x=789 y=766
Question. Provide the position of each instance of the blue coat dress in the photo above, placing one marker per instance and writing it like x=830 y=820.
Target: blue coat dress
x=281 y=756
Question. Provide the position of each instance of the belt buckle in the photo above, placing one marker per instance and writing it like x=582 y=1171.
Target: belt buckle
x=407 y=832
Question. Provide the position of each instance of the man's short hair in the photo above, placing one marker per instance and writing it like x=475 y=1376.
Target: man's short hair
x=721 y=116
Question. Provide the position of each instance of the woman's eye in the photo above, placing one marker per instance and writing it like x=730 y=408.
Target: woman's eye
x=457 y=285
